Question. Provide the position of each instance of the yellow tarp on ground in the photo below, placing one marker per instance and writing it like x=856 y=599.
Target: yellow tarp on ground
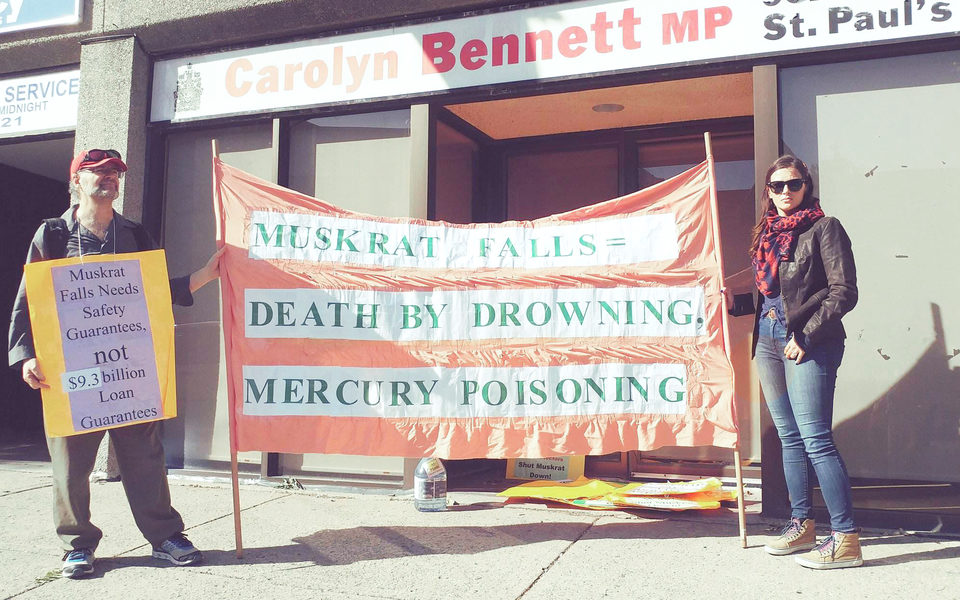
x=702 y=494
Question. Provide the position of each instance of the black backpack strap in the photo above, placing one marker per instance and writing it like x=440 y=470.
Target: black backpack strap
x=55 y=235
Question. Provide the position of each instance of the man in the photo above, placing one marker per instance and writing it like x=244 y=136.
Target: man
x=91 y=226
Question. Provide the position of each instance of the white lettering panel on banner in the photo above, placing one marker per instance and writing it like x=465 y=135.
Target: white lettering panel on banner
x=534 y=313
x=611 y=241
x=564 y=40
x=575 y=390
x=39 y=104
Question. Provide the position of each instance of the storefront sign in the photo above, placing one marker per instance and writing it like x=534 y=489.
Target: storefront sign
x=566 y=40
x=16 y=15
x=39 y=104
x=594 y=331
x=103 y=331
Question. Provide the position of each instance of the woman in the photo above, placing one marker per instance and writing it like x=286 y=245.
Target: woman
x=805 y=272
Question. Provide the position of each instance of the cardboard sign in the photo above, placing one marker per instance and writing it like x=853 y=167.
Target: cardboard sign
x=103 y=333
x=559 y=468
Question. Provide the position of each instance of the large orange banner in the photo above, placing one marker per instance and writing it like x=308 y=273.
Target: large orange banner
x=589 y=332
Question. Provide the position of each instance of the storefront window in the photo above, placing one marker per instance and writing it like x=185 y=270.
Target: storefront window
x=456 y=175
x=733 y=157
x=547 y=183
x=358 y=162
x=361 y=163
x=201 y=435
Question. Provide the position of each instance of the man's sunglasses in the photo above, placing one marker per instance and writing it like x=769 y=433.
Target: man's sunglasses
x=96 y=155
x=794 y=185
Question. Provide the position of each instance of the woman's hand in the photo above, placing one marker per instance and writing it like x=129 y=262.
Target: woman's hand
x=793 y=351
x=727 y=298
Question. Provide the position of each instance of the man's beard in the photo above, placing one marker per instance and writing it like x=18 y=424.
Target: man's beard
x=102 y=193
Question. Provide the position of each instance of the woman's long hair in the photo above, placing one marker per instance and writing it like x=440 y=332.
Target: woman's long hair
x=784 y=162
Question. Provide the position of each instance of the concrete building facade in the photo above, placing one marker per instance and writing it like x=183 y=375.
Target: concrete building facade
x=484 y=120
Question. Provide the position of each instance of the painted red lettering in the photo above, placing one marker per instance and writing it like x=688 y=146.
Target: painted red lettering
x=289 y=70
x=599 y=29
x=388 y=60
x=571 y=41
x=269 y=80
x=628 y=24
x=471 y=55
x=677 y=30
x=686 y=27
x=235 y=87
x=437 y=57
x=715 y=17
x=545 y=38
x=337 y=65
x=315 y=73
x=506 y=44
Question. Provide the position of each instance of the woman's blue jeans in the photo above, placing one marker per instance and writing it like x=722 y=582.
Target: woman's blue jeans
x=800 y=399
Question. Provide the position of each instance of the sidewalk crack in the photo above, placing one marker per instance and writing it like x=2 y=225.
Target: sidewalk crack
x=38 y=487
x=228 y=515
x=558 y=557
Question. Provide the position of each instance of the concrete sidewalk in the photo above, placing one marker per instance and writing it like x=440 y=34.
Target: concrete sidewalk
x=333 y=545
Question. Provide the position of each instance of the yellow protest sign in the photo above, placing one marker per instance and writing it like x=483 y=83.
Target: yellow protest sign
x=103 y=335
x=582 y=487
x=596 y=494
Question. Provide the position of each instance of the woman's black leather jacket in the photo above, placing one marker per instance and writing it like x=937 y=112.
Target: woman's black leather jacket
x=818 y=284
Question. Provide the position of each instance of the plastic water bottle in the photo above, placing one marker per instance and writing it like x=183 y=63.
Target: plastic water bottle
x=430 y=485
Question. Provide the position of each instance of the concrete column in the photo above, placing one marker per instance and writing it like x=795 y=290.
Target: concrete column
x=766 y=125
x=114 y=92
x=420 y=134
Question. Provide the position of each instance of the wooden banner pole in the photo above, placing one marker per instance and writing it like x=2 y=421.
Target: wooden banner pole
x=741 y=511
x=234 y=467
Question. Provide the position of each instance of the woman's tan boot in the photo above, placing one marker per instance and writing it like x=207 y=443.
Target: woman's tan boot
x=838 y=551
x=797 y=536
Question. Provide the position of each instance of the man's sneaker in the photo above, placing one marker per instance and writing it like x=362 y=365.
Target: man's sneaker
x=178 y=550
x=797 y=536
x=838 y=551
x=77 y=563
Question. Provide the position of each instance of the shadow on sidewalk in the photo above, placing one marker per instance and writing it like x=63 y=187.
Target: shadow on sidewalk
x=359 y=544
x=951 y=552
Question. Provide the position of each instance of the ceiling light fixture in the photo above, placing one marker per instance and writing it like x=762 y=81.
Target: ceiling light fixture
x=607 y=108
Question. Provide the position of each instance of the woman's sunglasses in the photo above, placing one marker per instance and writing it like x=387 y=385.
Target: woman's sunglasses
x=794 y=185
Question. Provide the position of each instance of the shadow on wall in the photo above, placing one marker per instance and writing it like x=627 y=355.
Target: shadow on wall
x=913 y=430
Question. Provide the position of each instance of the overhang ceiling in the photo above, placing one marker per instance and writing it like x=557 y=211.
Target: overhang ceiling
x=49 y=158
x=677 y=101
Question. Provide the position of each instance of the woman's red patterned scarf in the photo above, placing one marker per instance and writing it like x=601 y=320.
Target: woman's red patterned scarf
x=777 y=243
